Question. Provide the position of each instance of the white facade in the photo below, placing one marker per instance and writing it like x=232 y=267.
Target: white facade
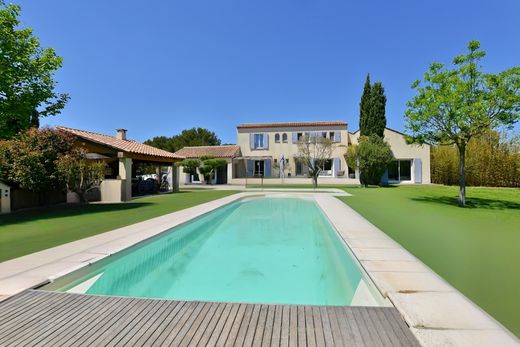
x=262 y=146
x=416 y=156
x=268 y=145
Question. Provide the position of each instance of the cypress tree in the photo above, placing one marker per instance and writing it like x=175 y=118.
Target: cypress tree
x=364 y=108
x=377 y=119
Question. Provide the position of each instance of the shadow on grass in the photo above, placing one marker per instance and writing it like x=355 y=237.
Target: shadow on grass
x=472 y=203
x=66 y=210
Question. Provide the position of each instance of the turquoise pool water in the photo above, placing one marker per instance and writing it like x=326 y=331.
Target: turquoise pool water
x=260 y=250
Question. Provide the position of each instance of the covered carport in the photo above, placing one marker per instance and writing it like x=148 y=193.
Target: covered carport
x=132 y=167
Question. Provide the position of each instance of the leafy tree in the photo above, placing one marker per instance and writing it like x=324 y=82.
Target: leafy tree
x=162 y=142
x=187 y=138
x=29 y=160
x=372 y=155
x=27 y=86
x=80 y=174
x=314 y=151
x=453 y=105
x=372 y=118
x=209 y=167
x=190 y=166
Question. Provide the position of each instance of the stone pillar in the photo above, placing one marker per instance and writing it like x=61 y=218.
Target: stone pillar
x=125 y=174
x=229 y=171
x=175 y=177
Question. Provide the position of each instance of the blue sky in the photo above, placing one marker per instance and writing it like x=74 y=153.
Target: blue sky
x=158 y=67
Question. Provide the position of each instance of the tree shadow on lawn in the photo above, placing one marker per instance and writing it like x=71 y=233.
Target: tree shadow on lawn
x=66 y=210
x=472 y=203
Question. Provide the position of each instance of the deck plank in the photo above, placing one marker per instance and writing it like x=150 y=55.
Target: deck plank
x=267 y=333
x=327 y=327
x=40 y=318
x=277 y=326
x=230 y=330
x=30 y=324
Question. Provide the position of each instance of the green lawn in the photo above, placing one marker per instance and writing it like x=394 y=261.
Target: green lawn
x=34 y=230
x=476 y=249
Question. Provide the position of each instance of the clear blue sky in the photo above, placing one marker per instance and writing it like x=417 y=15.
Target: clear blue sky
x=157 y=67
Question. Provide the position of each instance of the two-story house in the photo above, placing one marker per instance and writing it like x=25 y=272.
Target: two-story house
x=261 y=148
x=263 y=145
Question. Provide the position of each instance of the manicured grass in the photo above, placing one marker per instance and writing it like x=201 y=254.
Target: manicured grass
x=476 y=249
x=30 y=231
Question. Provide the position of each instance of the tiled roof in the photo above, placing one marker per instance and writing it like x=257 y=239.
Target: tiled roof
x=227 y=151
x=291 y=124
x=128 y=146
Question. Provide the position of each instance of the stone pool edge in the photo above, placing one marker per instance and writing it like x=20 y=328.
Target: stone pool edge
x=39 y=268
x=437 y=313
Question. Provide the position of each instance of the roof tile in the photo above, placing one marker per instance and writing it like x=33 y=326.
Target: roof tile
x=291 y=124
x=129 y=146
x=226 y=151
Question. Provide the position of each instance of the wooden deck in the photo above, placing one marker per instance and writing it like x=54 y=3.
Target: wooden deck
x=42 y=318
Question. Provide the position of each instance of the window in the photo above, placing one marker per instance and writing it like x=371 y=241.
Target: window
x=259 y=140
x=351 y=172
x=326 y=168
x=277 y=138
x=393 y=171
x=400 y=170
x=324 y=135
x=331 y=135
x=258 y=168
x=284 y=137
x=405 y=170
x=299 y=136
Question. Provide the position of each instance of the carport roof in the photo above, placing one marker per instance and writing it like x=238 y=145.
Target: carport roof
x=128 y=146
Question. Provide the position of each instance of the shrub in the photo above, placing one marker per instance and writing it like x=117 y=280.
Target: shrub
x=372 y=155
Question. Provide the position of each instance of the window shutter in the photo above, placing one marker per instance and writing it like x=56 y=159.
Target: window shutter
x=417 y=163
x=249 y=168
x=295 y=137
x=266 y=140
x=337 y=164
x=337 y=136
x=251 y=141
x=384 y=179
x=267 y=168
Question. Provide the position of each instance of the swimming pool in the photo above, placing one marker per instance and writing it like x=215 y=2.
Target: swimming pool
x=278 y=250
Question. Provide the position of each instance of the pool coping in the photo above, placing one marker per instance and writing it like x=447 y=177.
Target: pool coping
x=36 y=269
x=436 y=313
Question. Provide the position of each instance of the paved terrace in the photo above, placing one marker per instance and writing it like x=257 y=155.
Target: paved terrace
x=40 y=318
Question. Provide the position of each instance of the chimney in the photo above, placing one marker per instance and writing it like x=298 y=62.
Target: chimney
x=121 y=134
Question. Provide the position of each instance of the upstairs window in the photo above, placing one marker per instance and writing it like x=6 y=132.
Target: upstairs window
x=284 y=137
x=277 y=138
x=331 y=135
x=259 y=140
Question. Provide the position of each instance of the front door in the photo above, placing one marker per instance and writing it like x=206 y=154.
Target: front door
x=299 y=168
x=222 y=175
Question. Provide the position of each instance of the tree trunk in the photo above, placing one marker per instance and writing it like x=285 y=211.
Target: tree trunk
x=315 y=181
x=462 y=176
